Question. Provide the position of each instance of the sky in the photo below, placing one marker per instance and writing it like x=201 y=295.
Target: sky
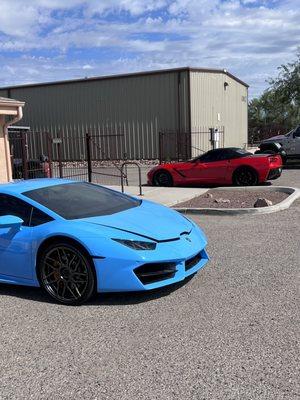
x=49 y=40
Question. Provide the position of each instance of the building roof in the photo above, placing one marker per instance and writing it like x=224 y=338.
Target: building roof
x=144 y=73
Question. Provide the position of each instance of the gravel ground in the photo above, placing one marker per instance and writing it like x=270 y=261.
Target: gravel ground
x=231 y=332
x=237 y=199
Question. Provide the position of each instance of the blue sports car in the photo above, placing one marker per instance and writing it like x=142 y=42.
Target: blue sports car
x=74 y=239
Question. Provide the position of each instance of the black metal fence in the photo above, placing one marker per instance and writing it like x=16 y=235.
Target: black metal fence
x=180 y=146
x=42 y=154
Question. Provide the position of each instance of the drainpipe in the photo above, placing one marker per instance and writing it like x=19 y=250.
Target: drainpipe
x=6 y=144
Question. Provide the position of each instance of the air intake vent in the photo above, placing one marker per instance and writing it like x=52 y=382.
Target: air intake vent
x=151 y=273
x=193 y=261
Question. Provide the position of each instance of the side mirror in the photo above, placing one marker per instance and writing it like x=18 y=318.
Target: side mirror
x=10 y=221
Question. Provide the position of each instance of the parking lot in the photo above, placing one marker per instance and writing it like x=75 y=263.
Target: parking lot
x=289 y=177
x=231 y=332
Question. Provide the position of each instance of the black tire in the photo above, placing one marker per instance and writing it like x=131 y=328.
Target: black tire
x=163 y=178
x=66 y=273
x=245 y=176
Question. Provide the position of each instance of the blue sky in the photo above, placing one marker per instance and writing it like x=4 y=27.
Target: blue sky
x=48 y=40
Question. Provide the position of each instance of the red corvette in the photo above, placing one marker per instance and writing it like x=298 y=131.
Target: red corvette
x=225 y=166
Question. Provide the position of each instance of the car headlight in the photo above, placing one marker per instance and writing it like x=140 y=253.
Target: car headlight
x=136 y=244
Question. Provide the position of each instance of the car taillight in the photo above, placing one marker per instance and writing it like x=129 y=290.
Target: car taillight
x=274 y=159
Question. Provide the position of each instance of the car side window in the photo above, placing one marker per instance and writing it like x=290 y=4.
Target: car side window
x=10 y=205
x=38 y=217
x=297 y=133
x=234 y=154
x=223 y=155
x=210 y=156
x=214 y=155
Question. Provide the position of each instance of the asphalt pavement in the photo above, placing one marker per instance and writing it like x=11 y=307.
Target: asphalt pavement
x=231 y=332
x=290 y=177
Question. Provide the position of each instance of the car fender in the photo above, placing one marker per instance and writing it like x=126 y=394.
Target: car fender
x=165 y=169
x=258 y=170
x=96 y=240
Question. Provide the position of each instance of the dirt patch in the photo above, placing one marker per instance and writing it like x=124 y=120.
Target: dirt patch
x=232 y=199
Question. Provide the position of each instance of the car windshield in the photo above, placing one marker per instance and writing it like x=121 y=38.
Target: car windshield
x=81 y=200
x=292 y=131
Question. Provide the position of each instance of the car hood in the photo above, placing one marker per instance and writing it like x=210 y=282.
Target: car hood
x=149 y=220
x=273 y=138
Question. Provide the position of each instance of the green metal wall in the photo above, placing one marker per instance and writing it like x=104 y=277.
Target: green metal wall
x=138 y=106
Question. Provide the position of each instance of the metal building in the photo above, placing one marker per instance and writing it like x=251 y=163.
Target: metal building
x=129 y=111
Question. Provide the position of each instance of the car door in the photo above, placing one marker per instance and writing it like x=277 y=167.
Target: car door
x=292 y=143
x=211 y=167
x=16 y=243
x=296 y=146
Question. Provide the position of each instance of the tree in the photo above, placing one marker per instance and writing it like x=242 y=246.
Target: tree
x=277 y=110
x=287 y=84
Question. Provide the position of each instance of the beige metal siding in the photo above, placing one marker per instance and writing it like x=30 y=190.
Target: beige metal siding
x=213 y=106
x=138 y=106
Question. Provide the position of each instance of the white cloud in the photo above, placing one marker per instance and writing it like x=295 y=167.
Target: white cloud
x=134 y=7
x=87 y=66
x=249 y=38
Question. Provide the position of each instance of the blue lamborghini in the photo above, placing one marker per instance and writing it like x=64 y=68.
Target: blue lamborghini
x=74 y=239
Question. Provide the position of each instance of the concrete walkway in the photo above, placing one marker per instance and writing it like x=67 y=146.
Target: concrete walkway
x=168 y=196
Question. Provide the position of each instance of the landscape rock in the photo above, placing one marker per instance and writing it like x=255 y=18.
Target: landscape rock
x=222 y=201
x=263 y=202
x=208 y=195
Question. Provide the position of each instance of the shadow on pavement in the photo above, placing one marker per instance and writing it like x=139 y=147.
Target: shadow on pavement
x=292 y=166
x=113 y=299
x=127 y=298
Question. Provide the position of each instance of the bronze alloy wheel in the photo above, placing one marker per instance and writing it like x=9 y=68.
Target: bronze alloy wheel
x=66 y=274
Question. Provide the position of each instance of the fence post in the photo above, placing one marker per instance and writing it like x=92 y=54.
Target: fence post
x=186 y=145
x=49 y=151
x=178 y=145
x=24 y=155
x=88 y=156
x=160 y=146
x=60 y=167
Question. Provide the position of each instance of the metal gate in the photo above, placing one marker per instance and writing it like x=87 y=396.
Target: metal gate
x=181 y=146
x=23 y=165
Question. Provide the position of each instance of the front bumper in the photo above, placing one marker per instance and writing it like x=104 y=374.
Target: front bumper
x=171 y=262
x=274 y=173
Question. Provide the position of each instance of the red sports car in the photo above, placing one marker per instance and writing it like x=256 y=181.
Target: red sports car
x=225 y=166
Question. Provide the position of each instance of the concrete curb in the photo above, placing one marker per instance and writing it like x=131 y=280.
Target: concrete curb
x=294 y=194
x=186 y=198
